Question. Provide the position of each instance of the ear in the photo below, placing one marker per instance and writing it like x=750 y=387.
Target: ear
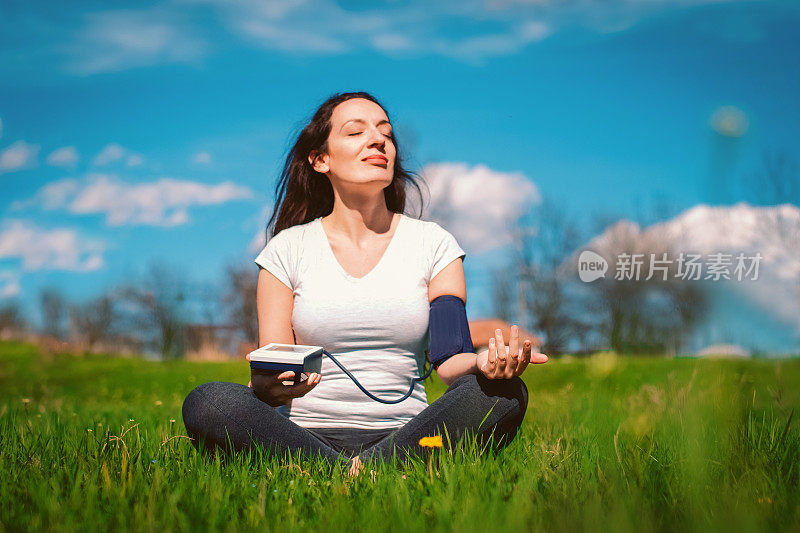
x=318 y=161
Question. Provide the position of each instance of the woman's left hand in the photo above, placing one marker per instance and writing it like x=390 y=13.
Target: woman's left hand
x=504 y=362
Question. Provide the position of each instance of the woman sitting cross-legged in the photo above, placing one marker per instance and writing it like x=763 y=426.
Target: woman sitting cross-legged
x=347 y=270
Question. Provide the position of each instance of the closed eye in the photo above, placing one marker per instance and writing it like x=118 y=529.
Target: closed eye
x=390 y=136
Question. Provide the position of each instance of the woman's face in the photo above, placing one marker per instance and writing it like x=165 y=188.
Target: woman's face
x=360 y=145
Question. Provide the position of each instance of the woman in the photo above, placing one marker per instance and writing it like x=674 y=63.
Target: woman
x=347 y=270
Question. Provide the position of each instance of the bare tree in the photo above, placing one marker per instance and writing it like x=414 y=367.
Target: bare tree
x=239 y=299
x=502 y=295
x=206 y=299
x=93 y=321
x=157 y=309
x=545 y=238
x=646 y=306
x=777 y=182
x=12 y=321
x=54 y=309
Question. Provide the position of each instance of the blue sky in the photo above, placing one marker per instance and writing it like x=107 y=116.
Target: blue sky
x=155 y=130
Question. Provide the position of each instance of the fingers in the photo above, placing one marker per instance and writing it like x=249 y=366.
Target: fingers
x=302 y=388
x=506 y=362
x=504 y=368
x=247 y=357
x=285 y=375
x=525 y=358
x=515 y=357
x=539 y=358
x=491 y=363
x=513 y=350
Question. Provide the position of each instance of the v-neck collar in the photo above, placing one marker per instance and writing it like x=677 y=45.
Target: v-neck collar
x=332 y=256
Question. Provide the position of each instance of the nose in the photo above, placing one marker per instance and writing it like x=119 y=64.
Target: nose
x=376 y=138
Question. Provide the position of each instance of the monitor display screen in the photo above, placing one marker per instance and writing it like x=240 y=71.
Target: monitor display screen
x=286 y=348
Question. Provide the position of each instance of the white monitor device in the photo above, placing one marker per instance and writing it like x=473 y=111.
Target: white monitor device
x=295 y=357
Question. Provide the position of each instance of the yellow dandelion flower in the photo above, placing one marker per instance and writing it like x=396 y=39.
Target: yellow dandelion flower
x=431 y=442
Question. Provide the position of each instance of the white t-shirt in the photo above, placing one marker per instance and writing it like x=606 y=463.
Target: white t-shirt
x=376 y=326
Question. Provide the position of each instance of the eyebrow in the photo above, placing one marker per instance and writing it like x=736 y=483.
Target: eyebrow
x=363 y=122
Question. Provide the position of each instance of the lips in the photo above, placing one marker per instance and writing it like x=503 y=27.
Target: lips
x=378 y=159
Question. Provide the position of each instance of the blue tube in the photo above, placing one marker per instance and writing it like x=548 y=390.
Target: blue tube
x=365 y=391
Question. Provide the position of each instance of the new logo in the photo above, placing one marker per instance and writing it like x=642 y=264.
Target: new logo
x=591 y=266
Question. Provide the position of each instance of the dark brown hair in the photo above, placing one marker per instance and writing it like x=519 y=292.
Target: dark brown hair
x=303 y=194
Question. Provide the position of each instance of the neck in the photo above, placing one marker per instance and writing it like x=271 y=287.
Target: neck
x=358 y=224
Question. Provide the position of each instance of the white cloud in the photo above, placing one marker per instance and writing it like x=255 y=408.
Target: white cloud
x=9 y=284
x=159 y=203
x=485 y=28
x=320 y=27
x=116 y=40
x=259 y=239
x=110 y=153
x=534 y=30
x=279 y=25
x=287 y=38
x=467 y=30
x=327 y=27
x=476 y=204
x=18 y=156
x=54 y=249
x=66 y=156
x=390 y=42
x=113 y=152
x=771 y=231
x=478 y=47
x=52 y=196
x=202 y=158
x=258 y=242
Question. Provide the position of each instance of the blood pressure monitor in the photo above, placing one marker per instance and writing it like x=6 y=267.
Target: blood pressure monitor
x=302 y=359
x=297 y=358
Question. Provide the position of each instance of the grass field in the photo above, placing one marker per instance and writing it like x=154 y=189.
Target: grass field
x=636 y=444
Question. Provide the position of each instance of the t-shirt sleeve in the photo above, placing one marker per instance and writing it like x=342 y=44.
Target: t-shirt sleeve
x=277 y=258
x=444 y=249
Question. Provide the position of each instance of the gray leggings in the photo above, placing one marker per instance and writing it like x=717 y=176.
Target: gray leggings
x=219 y=415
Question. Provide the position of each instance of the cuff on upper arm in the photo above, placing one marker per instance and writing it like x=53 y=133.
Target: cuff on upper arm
x=449 y=329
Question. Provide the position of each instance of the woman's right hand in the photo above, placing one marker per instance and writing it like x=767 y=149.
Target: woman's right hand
x=269 y=388
x=504 y=362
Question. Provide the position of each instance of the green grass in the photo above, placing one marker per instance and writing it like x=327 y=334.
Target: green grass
x=636 y=444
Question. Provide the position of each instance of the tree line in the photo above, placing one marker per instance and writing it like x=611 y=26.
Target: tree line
x=162 y=314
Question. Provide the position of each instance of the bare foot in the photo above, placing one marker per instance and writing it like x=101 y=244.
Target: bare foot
x=355 y=466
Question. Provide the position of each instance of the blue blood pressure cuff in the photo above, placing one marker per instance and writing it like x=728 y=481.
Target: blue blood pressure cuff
x=449 y=329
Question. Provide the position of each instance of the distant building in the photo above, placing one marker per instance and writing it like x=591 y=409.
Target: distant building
x=724 y=350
